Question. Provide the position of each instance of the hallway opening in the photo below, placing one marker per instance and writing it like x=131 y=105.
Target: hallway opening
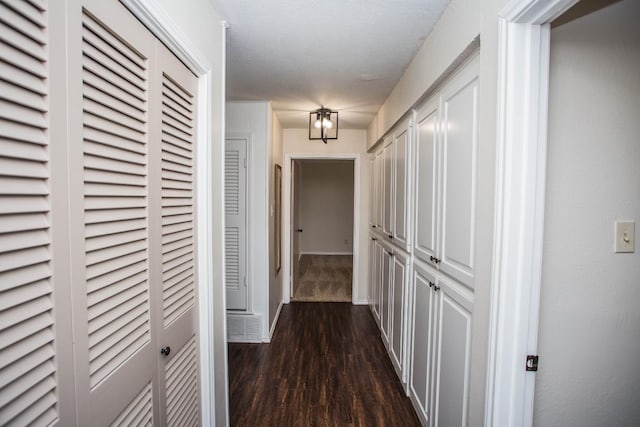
x=321 y=229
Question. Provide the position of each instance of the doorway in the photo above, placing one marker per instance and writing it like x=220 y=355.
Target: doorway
x=321 y=228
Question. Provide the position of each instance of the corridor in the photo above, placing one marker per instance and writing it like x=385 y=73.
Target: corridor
x=326 y=366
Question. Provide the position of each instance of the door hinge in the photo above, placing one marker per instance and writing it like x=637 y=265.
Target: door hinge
x=244 y=281
x=532 y=363
x=244 y=162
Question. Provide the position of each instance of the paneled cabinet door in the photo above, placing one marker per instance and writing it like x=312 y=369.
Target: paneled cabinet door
x=445 y=178
x=401 y=156
x=459 y=140
x=373 y=278
x=377 y=281
x=372 y=193
x=398 y=314
x=378 y=186
x=453 y=353
x=422 y=343
x=387 y=190
x=426 y=180
x=386 y=292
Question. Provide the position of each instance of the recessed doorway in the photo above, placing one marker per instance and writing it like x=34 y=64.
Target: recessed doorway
x=322 y=230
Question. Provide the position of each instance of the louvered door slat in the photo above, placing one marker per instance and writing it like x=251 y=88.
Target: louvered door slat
x=93 y=81
x=181 y=384
x=15 y=296
x=33 y=357
x=19 y=40
x=15 y=279
x=138 y=412
x=21 y=23
x=31 y=10
x=27 y=366
x=12 y=138
x=177 y=183
x=23 y=97
x=115 y=193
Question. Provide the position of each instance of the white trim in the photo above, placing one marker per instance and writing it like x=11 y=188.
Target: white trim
x=274 y=323
x=523 y=77
x=212 y=311
x=286 y=218
x=360 y=302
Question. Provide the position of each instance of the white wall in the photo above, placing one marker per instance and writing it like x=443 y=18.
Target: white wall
x=326 y=205
x=275 y=278
x=251 y=118
x=351 y=141
x=589 y=336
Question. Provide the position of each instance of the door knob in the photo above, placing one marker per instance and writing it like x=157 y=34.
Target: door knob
x=165 y=351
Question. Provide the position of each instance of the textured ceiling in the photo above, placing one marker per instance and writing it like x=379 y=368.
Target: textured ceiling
x=344 y=54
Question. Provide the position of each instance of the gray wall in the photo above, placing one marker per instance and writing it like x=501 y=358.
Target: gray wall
x=589 y=336
x=326 y=206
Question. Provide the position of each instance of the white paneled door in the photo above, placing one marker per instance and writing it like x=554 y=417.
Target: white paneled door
x=235 y=196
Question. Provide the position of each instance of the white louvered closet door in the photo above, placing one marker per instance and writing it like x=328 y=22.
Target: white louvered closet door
x=110 y=76
x=235 y=206
x=173 y=198
x=28 y=383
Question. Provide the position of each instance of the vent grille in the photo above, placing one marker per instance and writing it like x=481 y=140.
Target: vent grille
x=115 y=194
x=28 y=393
x=182 y=387
x=177 y=200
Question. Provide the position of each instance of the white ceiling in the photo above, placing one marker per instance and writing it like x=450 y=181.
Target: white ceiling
x=344 y=54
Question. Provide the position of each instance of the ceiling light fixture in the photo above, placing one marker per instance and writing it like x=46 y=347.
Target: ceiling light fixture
x=323 y=124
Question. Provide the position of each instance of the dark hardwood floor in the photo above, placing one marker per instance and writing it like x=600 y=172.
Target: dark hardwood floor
x=325 y=366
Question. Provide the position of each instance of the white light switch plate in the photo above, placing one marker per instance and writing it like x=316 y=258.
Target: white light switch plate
x=625 y=236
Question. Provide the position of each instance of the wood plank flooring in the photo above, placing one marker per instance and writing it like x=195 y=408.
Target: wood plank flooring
x=325 y=366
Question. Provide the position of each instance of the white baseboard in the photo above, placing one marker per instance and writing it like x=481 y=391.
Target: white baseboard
x=243 y=327
x=360 y=302
x=267 y=339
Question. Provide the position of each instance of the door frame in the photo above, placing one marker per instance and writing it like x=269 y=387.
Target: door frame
x=287 y=280
x=524 y=35
x=210 y=195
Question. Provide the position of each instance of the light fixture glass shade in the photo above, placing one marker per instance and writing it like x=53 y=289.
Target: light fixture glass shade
x=323 y=124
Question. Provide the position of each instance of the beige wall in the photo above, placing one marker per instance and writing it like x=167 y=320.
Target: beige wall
x=589 y=335
x=351 y=141
x=326 y=206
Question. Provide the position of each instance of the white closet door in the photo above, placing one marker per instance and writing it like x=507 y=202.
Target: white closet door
x=110 y=80
x=401 y=184
x=453 y=358
x=28 y=366
x=387 y=189
x=459 y=165
x=235 y=196
x=426 y=180
x=423 y=342
x=177 y=327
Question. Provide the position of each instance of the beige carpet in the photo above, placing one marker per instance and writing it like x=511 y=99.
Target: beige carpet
x=324 y=278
